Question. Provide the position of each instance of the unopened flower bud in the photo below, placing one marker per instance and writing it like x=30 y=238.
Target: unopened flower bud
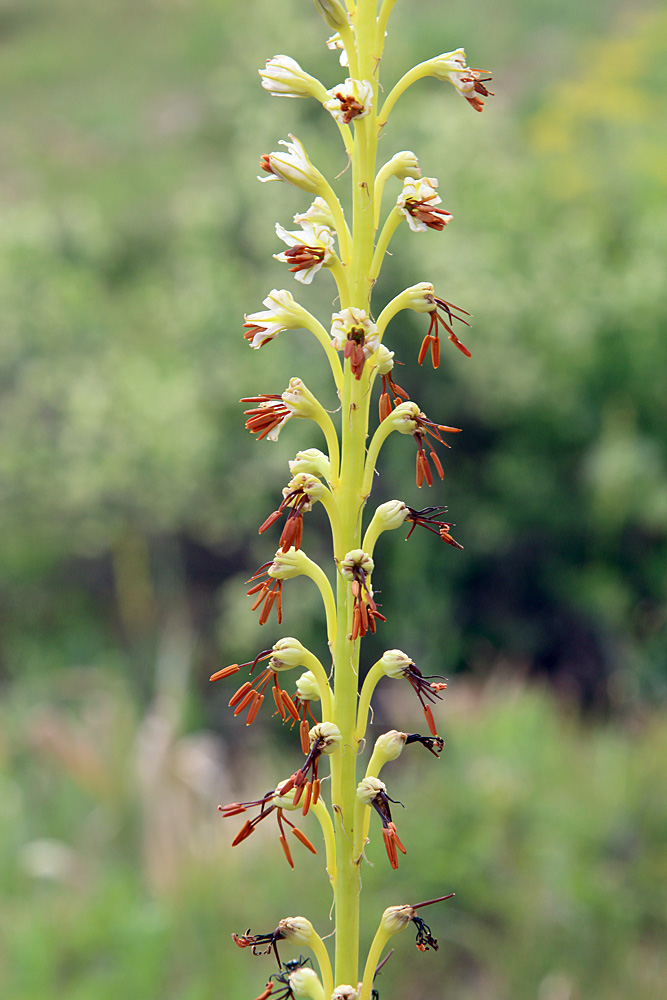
x=307 y=687
x=389 y=746
x=305 y=982
x=293 y=167
x=296 y=930
x=312 y=461
x=384 y=360
x=403 y=164
x=395 y=662
x=283 y=77
x=328 y=735
x=369 y=788
x=354 y=560
x=319 y=214
x=333 y=13
x=287 y=653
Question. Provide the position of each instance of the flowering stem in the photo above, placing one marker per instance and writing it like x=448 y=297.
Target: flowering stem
x=375 y=951
x=399 y=302
x=383 y=18
x=324 y=819
x=317 y=946
x=416 y=73
x=375 y=674
x=311 y=662
x=319 y=578
x=378 y=439
x=318 y=331
x=391 y=225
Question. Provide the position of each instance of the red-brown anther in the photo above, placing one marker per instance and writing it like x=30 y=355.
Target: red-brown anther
x=267 y=416
x=429 y=518
x=295 y=501
x=423 y=427
x=349 y=106
x=251 y=693
x=303 y=256
x=391 y=841
x=424 y=211
x=266 y=806
x=269 y=592
x=478 y=85
x=432 y=338
x=398 y=394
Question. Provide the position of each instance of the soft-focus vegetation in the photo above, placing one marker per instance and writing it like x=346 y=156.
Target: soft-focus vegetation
x=133 y=238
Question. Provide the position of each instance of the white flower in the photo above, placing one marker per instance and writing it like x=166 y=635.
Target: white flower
x=283 y=77
x=469 y=82
x=281 y=313
x=352 y=99
x=336 y=42
x=292 y=166
x=309 y=248
x=417 y=202
x=353 y=332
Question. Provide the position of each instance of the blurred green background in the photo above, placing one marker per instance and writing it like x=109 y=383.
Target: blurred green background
x=133 y=238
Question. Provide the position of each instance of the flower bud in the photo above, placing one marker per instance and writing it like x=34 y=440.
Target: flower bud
x=305 y=982
x=369 y=788
x=329 y=734
x=384 y=360
x=294 y=167
x=389 y=746
x=312 y=461
x=283 y=77
x=395 y=662
x=355 y=559
x=296 y=930
x=307 y=687
x=333 y=13
x=319 y=214
x=287 y=653
x=403 y=164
